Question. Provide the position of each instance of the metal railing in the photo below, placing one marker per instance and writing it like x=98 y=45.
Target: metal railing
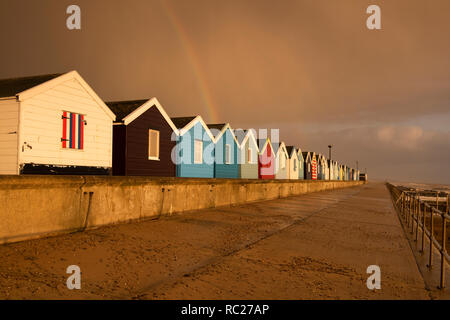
x=414 y=210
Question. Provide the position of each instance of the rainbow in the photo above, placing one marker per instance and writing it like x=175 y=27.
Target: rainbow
x=211 y=110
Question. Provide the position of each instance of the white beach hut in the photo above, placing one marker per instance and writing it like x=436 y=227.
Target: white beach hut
x=54 y=124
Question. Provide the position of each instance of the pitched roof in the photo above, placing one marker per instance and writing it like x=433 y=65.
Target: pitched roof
x=261 y=142
x=181 y=122
x=240 y=134
x=217 y=126
x=123 y=108
x=289 y=149
x=13 y=86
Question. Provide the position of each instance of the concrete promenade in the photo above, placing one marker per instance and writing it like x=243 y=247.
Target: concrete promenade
x=312 y=246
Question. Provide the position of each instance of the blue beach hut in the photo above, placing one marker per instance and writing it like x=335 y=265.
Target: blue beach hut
x=194 y=151
x=226 y=146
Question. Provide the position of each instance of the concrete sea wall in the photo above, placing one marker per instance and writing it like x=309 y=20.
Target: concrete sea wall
x=36 y=206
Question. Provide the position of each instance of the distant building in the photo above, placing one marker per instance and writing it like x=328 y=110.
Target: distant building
x=341 y=172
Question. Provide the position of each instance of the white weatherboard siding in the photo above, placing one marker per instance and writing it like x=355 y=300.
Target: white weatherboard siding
x=293 y=174
x=9 y=124
x=41 y=128
x=282 y=172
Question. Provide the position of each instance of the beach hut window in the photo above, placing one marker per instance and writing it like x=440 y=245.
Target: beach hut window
x=153 y=144
x=227 y=154
x=198 y=151
x=295 y=164
x=249 y=155
x=309 y=167
x=73 y=130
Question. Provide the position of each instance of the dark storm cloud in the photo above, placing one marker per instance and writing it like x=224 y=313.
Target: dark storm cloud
x=310 y=68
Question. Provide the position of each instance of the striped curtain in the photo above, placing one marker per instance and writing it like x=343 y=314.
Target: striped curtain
x=72 y=130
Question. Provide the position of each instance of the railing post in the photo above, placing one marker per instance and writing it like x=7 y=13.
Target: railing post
x=444 y=240
x=423 y=227
x=410 y=209
x=447 y=204
x=402 y=203
x=412 y=213
x=418 y=219
x=437 y=200
x=430 y=259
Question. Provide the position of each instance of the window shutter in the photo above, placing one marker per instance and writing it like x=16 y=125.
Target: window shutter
x=64 y=130
x=72 y=130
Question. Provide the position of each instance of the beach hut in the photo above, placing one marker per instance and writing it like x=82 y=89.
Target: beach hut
x=326 y=170
x=320 y=168
x=341 y=172
x=330 y=169
x=313 y=166
x=54 y=124
x=363 y=176
x=226 y=151
x=248 y=154
x=194 y=153
x=293 y=163
x=301 y=164
x=266 y=160
x=282 y=162
x=307 y=165
x=143 y=139
x=335 y=170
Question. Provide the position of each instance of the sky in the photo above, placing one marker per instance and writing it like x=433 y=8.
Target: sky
x=310 y=68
